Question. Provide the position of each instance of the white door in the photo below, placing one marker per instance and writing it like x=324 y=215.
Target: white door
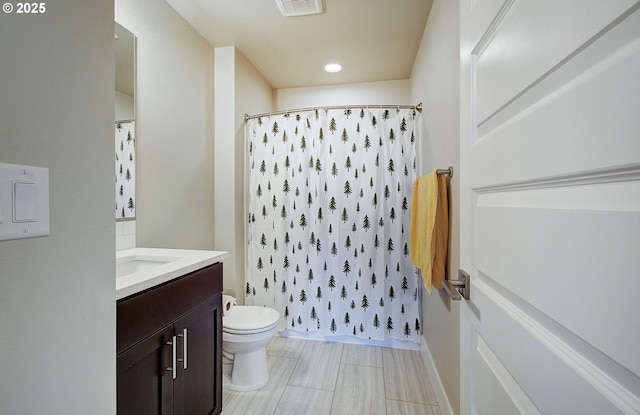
x=550 y=206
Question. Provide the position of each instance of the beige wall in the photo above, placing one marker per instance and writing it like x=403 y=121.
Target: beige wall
x=240 y=89
x=369 y=93
x=226 y=168
x=435 y=82
x=174 y=125
x=57 y=293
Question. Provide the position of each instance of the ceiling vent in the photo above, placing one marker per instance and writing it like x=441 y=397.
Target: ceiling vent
x=290 y=8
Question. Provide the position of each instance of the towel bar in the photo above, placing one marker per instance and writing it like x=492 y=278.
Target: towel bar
x=459 y=288
x=448 y=171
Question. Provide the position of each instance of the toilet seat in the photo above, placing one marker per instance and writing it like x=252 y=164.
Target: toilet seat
x=250 y=320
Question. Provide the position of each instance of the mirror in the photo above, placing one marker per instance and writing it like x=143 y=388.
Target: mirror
x=125 y=133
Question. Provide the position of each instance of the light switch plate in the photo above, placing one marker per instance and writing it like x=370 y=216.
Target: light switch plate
x=24 y=201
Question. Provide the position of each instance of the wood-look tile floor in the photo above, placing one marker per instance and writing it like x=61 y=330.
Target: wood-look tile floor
x=309 y=377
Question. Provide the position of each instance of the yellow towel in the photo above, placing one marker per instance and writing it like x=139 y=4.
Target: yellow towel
x=429 y=229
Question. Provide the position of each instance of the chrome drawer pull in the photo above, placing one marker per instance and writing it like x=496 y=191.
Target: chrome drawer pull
x=184 y=348
x=172 y=369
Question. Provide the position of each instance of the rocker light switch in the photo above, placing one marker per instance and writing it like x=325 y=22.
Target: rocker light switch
x=24 y=201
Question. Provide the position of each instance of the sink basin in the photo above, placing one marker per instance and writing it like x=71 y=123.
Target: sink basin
x=136 y=263
x=138 y=269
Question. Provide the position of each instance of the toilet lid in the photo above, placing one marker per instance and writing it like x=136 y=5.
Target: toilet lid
x=250 y=318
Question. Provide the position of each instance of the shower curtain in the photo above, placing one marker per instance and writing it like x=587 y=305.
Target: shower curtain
x=329 y=193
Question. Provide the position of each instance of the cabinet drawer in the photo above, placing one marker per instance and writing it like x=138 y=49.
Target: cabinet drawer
x=145 y=313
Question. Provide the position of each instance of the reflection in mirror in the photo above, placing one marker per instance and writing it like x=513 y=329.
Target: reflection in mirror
x=125 y=124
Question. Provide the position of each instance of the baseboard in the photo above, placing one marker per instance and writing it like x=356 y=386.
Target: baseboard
x=436 y=382
x=393 y=343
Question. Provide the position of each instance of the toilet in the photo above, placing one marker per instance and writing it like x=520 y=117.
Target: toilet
x=246 y=330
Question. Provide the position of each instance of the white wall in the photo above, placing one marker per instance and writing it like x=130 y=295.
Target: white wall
x=239 y=89
x=370 y=93
x=435 y=83
x=174 y=125
x=57 y=293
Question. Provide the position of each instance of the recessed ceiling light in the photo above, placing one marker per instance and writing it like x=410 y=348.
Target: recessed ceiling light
x=333 y=67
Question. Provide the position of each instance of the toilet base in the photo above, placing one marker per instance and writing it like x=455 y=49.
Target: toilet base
x=249 y=371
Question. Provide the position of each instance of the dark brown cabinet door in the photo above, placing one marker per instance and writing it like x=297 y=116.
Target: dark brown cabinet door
x=169 y=347
x=196 y=389
x=145 y=386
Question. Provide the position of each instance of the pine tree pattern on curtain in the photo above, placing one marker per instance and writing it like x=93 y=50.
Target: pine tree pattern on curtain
x=328 y=222
x=125 y=169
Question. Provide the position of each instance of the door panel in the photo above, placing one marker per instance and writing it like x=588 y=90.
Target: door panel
x=144 y=386
x=542 y=130
x=582 y=279
x=536 y=361
x=198 y=382
x=519 y=51
x=499 y=392
x=550 y=206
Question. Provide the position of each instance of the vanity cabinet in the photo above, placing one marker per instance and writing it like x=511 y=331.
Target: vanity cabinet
x=169 y=347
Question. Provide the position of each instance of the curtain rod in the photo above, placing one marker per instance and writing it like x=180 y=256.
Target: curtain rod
x=248 y=117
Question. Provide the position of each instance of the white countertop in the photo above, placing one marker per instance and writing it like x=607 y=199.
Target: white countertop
x=173 y=263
